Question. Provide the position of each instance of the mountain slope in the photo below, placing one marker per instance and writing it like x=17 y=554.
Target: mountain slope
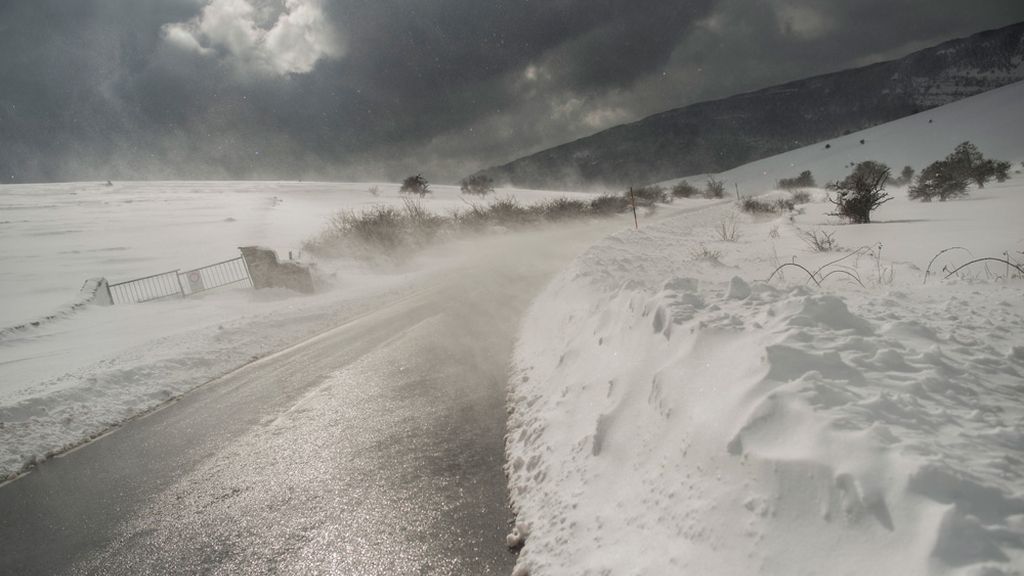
x=719 y=135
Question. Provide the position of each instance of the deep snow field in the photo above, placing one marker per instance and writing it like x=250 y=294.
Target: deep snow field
x=92 y=367
x=674 y=412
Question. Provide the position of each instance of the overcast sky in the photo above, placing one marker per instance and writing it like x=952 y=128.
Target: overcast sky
x=377 y=89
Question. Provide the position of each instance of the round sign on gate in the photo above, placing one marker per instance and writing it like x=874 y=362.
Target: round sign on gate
x=195 y=281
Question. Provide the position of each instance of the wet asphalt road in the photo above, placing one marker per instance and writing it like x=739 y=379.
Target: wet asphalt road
x=375 y=448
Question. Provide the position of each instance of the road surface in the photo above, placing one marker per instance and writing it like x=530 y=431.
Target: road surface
x=375 y=448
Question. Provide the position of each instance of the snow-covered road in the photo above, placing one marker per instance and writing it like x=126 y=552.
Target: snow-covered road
x=374 y=448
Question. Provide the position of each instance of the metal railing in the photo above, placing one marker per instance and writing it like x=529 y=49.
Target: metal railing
x=216 y=275
x=147 y=288
x=177 y=284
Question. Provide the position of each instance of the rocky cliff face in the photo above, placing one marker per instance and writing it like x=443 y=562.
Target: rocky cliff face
x=721 y=134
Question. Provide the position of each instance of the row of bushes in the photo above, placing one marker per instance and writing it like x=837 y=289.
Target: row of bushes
x=767 y=206
x=654 y=193
x=482 y=185
x=385 y=230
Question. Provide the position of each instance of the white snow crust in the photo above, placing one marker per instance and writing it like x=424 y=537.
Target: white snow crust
x=673 y=412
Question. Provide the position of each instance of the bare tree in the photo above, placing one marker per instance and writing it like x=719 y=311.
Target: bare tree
x=861 y=192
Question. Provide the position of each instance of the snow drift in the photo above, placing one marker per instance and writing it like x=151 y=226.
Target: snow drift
x=672 y=412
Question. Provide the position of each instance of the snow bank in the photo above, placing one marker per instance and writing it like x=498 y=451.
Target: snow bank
x=672 y=412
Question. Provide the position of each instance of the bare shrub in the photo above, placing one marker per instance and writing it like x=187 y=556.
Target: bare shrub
x=820 y=240
x=728 y=229
x=861 y=192
x=472 y=219
x=684 y=190
x=650 y=195
x=383 y=230
x=714 y=188
x=761 y=206
x=609 y=204
x=508 y=211
x=379 y=225
x=421 y=225
x=563 y=208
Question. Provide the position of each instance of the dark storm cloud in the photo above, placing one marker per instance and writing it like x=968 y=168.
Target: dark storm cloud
x=377 y=88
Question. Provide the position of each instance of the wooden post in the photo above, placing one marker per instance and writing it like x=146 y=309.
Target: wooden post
x=737 y=191
x=632 y=200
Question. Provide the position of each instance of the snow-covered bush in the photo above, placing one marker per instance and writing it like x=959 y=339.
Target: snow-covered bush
x=857 y=195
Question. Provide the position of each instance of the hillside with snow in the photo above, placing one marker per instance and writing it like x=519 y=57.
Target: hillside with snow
x=721 y=134
x=711 y=395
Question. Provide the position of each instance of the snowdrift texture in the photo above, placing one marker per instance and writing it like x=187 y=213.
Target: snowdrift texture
x=673 y=413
